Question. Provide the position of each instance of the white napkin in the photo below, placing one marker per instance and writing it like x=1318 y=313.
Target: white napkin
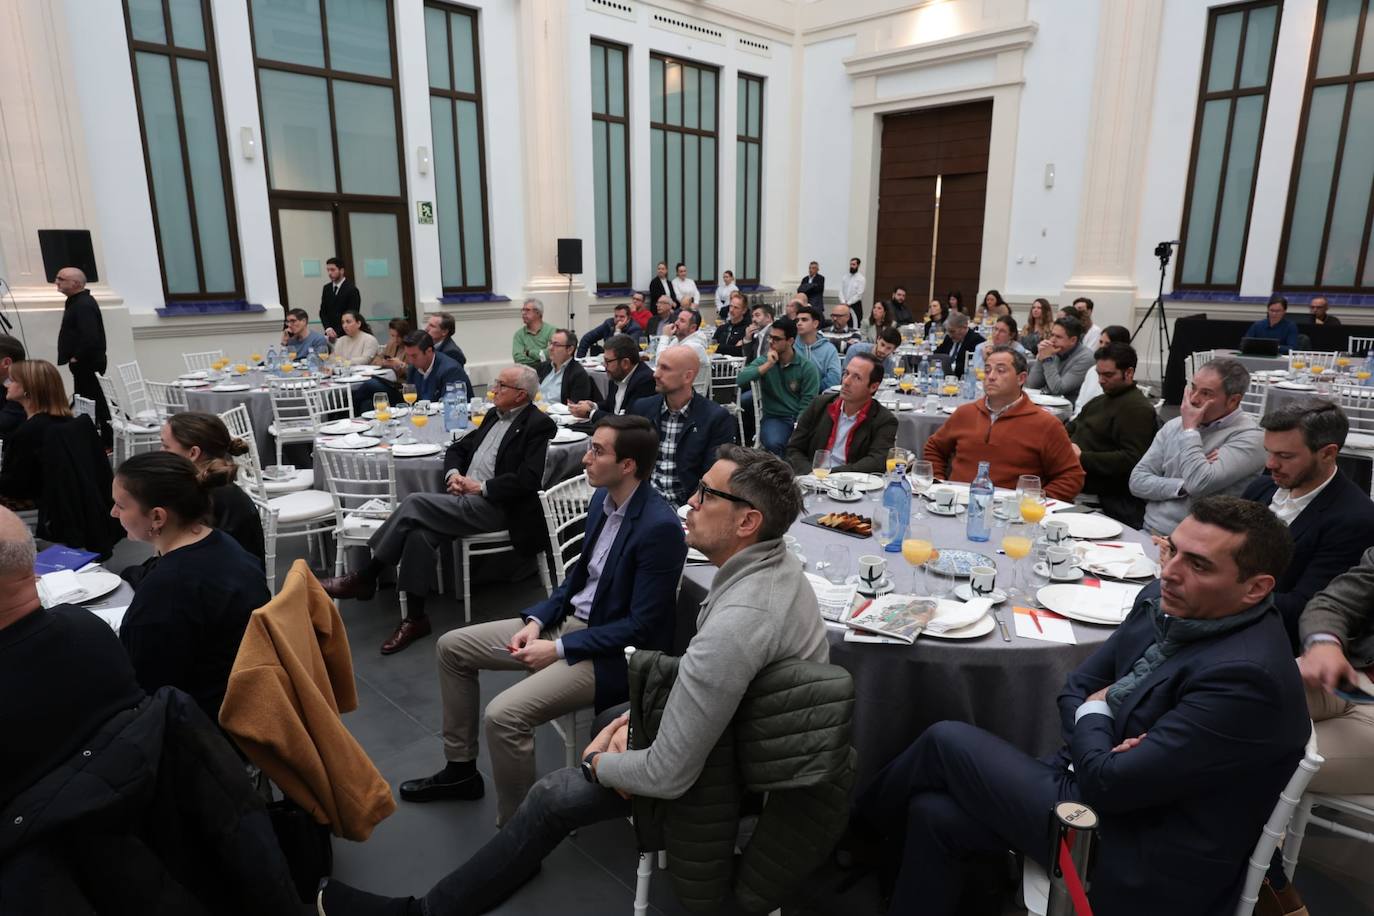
x=559 y=409
x=114 y=616
x=954 y=615
x=1123 y=560
x=353 y=440
x=62 y=587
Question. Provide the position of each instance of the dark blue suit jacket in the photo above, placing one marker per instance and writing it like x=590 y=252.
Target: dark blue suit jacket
x=709 y=426
x=636 y=598
x=1226 y=721
x=445 y=370
x=1329 y=537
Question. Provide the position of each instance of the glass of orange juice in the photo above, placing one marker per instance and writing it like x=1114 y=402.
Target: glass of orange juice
x=256 y=357
x=1030 y=498
x=1297 y=364
x=896 y=456
x=899 y=370
x=1016 y=544
x=477 y=419
x=917 y=547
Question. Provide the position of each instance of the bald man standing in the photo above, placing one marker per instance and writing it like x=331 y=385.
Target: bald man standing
x=81 y=344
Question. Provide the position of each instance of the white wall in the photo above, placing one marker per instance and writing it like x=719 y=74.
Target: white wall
x=825 y=147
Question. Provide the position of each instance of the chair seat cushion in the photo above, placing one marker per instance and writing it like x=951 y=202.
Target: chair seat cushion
x=301 y=506
x=303 y=479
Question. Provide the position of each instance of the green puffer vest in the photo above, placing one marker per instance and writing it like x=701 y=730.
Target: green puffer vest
x=789 y=738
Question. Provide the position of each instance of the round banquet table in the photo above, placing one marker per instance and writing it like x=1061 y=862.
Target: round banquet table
x=915 y=424
x=1009 y=689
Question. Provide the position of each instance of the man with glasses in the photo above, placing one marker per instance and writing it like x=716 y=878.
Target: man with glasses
x=758 y=611
x=631 y=379
x=562 y=380
x=299 y=339
x=788 y=382
x=620 y=322
x=492 y=478
x=690 y=427
x=729 y=336
x=530 y=345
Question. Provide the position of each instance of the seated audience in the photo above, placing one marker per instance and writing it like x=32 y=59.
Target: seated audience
x=620 y=322
x=628 y=380
x=562 y=380
x=1179 y=732
x=431 y=372
x=640 y=313
x=690 y=427
x=795 y=305
x=1276 y=325
x=36 y=386
x=685 y=332
x=1330 y=519
x=756 y=334
x=934 y=322
x=684 y=286
x=664 y=311
x=621 y=592
x=730 y=335
x=1005 y=429
x=1112 y=433
x=1092 y=334
x=992 y=307
x=11 y=412
x=877 y=320
x=960 y=340
x=812 y=346
x=1062 y=362
x=759 y=610
x=856 y=429
x=1003 y=335
x=492 y=478
x=1211 y=448
x=297 y=337
x=205 y=441
x=842 y=323
x=897 y=308
x=954 y=302
x=393 y=354
x=188 y=615
x=442 y=327
x=724 y=290
x=356 y=344
x=530 y=345
x=884 y=348
x=1037 y=326
x=1318 y=316
x=788 y=383
x=1090 y=388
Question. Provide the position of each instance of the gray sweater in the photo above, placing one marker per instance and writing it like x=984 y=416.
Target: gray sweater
x=1062 y=375
x=760 y=609
x=1175 y=471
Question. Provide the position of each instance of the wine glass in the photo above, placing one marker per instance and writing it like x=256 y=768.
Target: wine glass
x=1016 y=544
x=419 y=418
x=896 y=456
x=1039 y=575
x=820 y=467
x=917 y=546
x=409 y=394
x=1030 y=498
x=921 y=474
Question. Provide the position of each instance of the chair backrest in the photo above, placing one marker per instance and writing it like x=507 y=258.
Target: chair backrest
x=136 y=400
x=1324 y=358
x=1360 y=344
x=360 y=483
x=332 y=403
x=1276 y=825
x=756 y=387
x=565 y=509
x=723 y=373
x=84 y=407
x=202 y=360
x=291 y=403
x=1199 y=359
x=249 y=477
x=1358 y=404
x=112 y=396
x=1255 y=397
x=168 y=397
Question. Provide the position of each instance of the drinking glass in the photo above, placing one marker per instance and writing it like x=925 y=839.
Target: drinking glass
x=256 y=357
x=921 y=475
x=1016 y=544
x=951 y=386
x=917 y=546
x=896 y=456
x=1039 y=575
x=380 y=401
x=835 y=563
x=820 y=465
x=1030 y=498
x=409 y=394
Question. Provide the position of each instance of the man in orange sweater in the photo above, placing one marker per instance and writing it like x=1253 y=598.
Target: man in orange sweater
x=1005 y=429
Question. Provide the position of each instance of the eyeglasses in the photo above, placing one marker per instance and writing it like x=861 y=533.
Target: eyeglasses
x=703 y=490
x=777 y=338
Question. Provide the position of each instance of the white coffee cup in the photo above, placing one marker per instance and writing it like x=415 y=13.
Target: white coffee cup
x=1056 y=530
x=982 y=581
x=872 y=572
x=843 y=489
x=1007 y=505
x=945 y=497
x=1062 y=562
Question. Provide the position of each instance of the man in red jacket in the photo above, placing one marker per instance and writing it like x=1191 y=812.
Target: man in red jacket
x=1009 y=432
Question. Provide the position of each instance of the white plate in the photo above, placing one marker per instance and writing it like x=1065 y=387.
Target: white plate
x=947 y=513
x=231 y=387
x=1042 y=570
x=348 y=379
x=192 y=382
x=962 y=592
x=1083 y=603
x=906 y=405
x=1359 y=441
x=398 y=411
x=1089 y=527
x=863 y=482
x=568 y=436
x=353 y=441
x=199 y=373
x=343 y=427
x=1049 y=400
x=980 y=627
x=949 y=409
x=1295 y=386
x=97 y=583
x=559 y=410
x=852 y=498
x=416 y=450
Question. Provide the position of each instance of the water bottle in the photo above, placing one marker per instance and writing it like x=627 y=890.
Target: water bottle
x=970 y=384
x=272 y=361
x=312 y=363
x=455 y=407
x=979 y=504
x=897 y=503
x=1369 y=367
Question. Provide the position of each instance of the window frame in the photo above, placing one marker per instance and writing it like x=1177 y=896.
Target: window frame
x=740 y=167
x=173 y=52
x=682 y=129
x=1350 y=80
x=627 y=281
x=1233 y=94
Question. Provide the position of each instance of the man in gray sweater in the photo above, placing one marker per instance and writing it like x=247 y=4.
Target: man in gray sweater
x=1212 y=448
x=1061 y=362
x=760 y=610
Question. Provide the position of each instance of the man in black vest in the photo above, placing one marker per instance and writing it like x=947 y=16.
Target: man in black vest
x=339 y=295
x=81 y=344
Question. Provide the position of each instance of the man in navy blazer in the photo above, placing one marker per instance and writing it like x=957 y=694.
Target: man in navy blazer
x=690 y=427
x=1182 y=729
x=1330 y=519
x=431 y=372
x=621 y=592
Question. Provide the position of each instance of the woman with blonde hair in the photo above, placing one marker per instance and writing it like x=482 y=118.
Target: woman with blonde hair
x=36 y=386
x=1037 y=326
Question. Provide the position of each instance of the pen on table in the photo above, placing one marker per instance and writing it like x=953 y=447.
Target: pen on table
x=860 y=609
x=1035 y=619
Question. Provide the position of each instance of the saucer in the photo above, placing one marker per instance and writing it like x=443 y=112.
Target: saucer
x=851 y=498
x=952 y=511
x=1042 y=570
x=963 y=594
x=884 y=587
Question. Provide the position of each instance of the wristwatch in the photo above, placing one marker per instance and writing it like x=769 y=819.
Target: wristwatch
x=588 y=773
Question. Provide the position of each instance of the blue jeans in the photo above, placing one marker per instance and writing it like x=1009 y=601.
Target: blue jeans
x=775 y=432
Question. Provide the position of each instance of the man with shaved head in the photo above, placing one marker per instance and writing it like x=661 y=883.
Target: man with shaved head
x=81 y=344
x=690 y=427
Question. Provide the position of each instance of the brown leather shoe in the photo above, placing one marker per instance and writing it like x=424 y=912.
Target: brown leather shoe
x=351 y=585
x=411 y=629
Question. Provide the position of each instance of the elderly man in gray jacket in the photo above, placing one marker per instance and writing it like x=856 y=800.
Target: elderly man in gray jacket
x=1061 y=361
x=1212 y=448
x=760 y=610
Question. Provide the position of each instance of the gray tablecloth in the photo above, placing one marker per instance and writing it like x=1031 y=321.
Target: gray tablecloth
x=1008 y=689
x=915 y=425
x=1258 y=363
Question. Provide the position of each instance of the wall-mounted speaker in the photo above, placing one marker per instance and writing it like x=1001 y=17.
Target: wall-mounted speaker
x=67 y=248
x=570 y=256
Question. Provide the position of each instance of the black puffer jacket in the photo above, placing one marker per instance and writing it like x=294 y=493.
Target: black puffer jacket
x=155 y=815
x=789 y=738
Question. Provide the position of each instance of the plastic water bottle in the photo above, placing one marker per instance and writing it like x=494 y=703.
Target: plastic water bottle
x=455 y=407
x=272 y=361
x=312 y=362
x=897 y=503
x=1369 y=367
x=979 y=504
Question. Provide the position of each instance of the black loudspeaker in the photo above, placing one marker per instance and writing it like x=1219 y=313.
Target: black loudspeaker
x=570 y=256
x=67 y=248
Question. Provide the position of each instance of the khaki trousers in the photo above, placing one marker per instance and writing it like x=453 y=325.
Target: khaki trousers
x=1345 y=737
x=513 y=714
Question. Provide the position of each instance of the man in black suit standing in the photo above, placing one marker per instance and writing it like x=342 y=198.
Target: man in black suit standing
x=1330 y=519
x=339 y=295
x=629 y=380
x=812 y=286
x=81 y=344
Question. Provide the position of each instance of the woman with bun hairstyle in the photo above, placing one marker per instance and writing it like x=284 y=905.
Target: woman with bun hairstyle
x=205 y=440
x=188 y=615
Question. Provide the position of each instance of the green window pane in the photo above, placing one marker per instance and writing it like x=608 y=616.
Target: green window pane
x=691 y=189
x=751 y=207
x=741 y=194
x=598 y=79
x=464 y=53
x=188 y=31
x=207 y=177
x=657 y=188
x=1367 y=46
x=674 y=207
x=691 y=96
x=1259 y=46
x=756 y=108
x=672 y=76
x=359 y=36
x=162 y=139
x=366 y=119
x=446 y=191
x=1206 y=186
x=295 y=114
x=615 y=82
x=1221 y=74
x=742 y=106
x=1341 y=19
x=146 y=22
x=1240 y=183
x=656 y=91
x=708 y=99
x=620 y=215
x=707 y=218
x=470 y=182
x=1314 y=185
x=288 y=32
x=601 y=193
x=436 y=47
x=1352 y=192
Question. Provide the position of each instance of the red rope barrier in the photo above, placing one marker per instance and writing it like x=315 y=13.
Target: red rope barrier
x=1071 y=880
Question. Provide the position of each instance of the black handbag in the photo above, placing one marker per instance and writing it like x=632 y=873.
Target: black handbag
x=306 y=845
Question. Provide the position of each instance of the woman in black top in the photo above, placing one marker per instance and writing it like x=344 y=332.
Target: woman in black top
x=37 y=387
x=203 y=438
x=188 y=615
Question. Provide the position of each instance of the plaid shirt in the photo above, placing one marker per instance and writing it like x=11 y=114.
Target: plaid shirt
x=665 y=479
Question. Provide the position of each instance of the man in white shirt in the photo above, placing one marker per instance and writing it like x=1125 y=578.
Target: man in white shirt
x=723 y=291
x=684 y=285
x=852 y=291
x=685 y=332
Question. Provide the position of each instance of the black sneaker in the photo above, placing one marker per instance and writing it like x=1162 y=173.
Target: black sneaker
x=335 y=898
x=441 y=788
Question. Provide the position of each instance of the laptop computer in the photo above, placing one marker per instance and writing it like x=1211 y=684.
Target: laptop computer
x=1259 y=346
